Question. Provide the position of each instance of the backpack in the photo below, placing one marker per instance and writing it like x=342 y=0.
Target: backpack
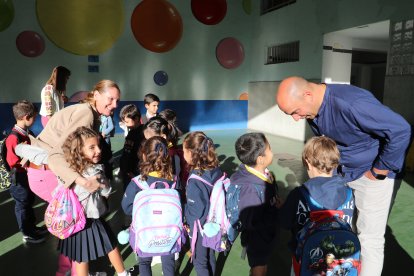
x=326 y=243
x=156 y=227
x=6 y=173
x=215 y=229
x=233 y=212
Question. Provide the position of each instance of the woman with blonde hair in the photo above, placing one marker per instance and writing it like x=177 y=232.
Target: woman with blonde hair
x=53 y=93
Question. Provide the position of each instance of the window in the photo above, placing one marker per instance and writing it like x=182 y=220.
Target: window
x=288 y=52
x=271 y=5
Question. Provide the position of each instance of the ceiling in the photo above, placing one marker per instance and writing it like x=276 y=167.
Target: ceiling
x=376 y=31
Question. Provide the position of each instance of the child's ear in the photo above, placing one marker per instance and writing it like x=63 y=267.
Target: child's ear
x=259 y=160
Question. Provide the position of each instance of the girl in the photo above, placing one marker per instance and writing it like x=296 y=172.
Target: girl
x=53 y=93
x=155 y=166
x=81 y=151
x=199 y=152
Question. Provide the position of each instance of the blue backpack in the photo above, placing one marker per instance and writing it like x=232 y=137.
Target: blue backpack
x=156 y=227
x=326 y=245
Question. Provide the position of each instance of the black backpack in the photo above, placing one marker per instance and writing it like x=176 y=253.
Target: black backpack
x=6 y=173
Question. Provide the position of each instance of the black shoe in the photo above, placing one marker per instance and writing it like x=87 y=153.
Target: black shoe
x=42 y=230
x=33 y=238
x=133 y=271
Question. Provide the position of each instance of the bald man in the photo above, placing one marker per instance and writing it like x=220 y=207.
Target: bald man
x=372 y=140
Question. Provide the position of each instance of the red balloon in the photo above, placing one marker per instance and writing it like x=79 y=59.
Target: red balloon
x=209 y=12
x=230 y=53
x=156 y=25
x=30 y=44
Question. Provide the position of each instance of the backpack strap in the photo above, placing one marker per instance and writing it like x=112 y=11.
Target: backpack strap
x=143 y=185
x=196 y=227
x=199 y=178
x=166 y=185
x=4 y=148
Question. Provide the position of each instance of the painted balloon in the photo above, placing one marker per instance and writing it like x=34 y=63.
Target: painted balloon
x=156 y=25
x=160 y=78
x=230 y=53
x=247 y=6
x=244 y=96
x=78 y=96
x=82 y=27
x=6 y=14
x=30 y=44
x=209 y=12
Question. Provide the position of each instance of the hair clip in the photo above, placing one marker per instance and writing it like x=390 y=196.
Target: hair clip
x=206 y=143
x=161 y=147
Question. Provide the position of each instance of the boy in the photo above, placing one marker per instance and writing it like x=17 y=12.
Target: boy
x=128 y=165
x=321 y=158
x=151 y=103
x=257 y=210
x=25 y=113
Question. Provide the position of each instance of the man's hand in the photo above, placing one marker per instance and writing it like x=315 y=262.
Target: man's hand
x=369 y=175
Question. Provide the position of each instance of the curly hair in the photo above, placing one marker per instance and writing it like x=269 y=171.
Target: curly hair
x=73 y=145
x=202 y=150
x=154 y=157
x=322 y=153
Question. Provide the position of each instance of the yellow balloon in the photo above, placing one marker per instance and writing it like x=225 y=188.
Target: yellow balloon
x=82 y=27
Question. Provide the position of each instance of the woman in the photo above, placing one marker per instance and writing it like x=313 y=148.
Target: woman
x=102 y=100
x=53 y=94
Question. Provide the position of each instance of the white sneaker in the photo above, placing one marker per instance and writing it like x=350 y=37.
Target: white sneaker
x=156 y=260
x=98 y=273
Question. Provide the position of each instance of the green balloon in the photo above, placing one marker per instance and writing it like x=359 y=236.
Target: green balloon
x=6 y=14
x=247 y=6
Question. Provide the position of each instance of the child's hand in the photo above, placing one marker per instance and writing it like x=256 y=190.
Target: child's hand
x=91 y=184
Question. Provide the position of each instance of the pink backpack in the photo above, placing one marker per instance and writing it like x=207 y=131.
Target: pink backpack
x=64 y=215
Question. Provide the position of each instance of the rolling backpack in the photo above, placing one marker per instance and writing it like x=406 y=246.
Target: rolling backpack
x=326 y=245
x=215 y=229
x=6 y=173
x=156 y=228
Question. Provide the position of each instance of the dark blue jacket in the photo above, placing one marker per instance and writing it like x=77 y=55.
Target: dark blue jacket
x=129 y=158
x=198 y=196
x=132 y=189
x=368 y=133
x=330 y=192
x=257 y=212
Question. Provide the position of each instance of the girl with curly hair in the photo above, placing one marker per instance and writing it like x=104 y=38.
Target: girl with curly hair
x=83 y=154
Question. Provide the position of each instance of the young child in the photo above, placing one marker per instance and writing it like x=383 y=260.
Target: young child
x=151 y=103
x=82 y=152
x=155 y=166
x=320 y=157
x=25 y=113
x=128 y=165
x=199 y=152
x=257 y=209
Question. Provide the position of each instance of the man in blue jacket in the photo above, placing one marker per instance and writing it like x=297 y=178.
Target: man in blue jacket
x=372 y=140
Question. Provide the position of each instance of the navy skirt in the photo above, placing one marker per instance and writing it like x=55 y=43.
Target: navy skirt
x=94 y=241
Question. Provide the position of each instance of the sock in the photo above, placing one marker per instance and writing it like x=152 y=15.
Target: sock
x=124 y=273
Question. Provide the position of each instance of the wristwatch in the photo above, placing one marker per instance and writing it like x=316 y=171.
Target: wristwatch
x=377 y=175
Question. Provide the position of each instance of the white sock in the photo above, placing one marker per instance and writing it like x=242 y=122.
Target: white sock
x=125 y=273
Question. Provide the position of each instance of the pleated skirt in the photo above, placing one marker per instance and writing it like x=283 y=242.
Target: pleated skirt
x=94 y=241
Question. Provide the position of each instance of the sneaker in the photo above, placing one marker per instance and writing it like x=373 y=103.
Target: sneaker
x=42 y=230
x=133 y=271
x=34 y=238
x=98 y=273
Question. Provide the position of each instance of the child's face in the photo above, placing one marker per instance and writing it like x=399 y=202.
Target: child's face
x=187 y=155
x=131 y=122
x=152 y=108
x=267 y=156
x=91 y=149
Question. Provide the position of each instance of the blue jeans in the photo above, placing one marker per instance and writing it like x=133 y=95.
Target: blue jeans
x=168 y=265
x=204 y=260
x=24 y=199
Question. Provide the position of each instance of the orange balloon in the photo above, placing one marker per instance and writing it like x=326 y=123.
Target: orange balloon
x=156 y=25
x=244 y=96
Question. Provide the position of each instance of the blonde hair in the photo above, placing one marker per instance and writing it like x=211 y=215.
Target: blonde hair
x=73 y=148
x=101 y=88
x=322 y=153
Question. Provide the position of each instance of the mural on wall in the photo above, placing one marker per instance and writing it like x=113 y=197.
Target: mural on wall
x=30 y=43
x=157 y=25
x=6 y=14
x=230 y=53
x=209 y=12
x=81 y=27
x=160 y=78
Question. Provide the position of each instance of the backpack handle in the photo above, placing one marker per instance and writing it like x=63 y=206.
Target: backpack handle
x=166 y=186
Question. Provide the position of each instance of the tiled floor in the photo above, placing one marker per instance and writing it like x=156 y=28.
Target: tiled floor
x=19 y=259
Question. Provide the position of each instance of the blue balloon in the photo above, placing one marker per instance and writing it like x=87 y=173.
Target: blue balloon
x=160 y=78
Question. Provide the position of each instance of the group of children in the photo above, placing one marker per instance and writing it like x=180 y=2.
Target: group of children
x=151 y=151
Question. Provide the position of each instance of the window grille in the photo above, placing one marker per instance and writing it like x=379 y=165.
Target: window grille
x=271 y=5
x=288 y=52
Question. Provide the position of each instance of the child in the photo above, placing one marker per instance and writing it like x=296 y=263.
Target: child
x=25 y=113
x=155 y=166
x=257 y=210
x=199 y=152
x=151 y=103
x=82 y=152
x=129 y=159
x=320 y=157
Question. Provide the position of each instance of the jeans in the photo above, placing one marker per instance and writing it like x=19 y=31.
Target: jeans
x=168 y=265
x=24 y=199
x=372 y=201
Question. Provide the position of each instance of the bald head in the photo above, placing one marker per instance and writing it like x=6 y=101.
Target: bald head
x=289 y=89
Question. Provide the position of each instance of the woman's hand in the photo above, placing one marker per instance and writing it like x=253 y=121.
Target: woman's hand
x=91 y=184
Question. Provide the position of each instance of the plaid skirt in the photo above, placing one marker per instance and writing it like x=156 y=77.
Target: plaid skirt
x=94 y=241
